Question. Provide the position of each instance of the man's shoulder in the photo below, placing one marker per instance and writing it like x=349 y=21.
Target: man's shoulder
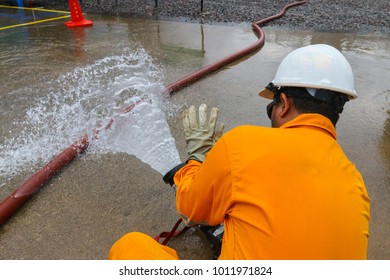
x=248 y=128
x=246 y=131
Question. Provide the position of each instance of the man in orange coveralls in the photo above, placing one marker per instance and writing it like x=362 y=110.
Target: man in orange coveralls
x=286 y=192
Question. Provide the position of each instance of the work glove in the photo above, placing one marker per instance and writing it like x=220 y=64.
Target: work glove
x=200 y=136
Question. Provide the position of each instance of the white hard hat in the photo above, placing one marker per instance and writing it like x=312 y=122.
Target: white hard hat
x=314 y=67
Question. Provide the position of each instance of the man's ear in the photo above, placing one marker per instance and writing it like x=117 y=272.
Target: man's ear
x=285 y=104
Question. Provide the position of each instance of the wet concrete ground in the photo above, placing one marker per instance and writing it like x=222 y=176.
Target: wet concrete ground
x=96 y=199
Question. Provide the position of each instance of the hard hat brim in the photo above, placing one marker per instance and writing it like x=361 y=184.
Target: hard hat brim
x=266 y=93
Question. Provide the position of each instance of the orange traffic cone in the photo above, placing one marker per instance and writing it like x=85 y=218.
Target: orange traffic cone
x=77 y=17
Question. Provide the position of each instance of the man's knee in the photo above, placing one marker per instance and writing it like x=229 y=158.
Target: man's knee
x=139 y=246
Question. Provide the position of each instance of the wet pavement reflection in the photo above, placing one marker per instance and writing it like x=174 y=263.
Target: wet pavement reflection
x=99 y=197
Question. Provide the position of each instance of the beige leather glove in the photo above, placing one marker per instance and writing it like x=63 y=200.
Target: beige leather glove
x=200 y=136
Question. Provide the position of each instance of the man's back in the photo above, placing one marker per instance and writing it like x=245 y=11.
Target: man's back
x=286 y=193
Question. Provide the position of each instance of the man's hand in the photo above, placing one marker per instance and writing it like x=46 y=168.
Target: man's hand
x=200 y=136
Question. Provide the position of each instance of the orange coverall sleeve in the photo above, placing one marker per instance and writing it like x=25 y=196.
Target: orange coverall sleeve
x=204 y=193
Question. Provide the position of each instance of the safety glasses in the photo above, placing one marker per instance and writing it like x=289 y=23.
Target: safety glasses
x=274 y=102
x=270 y=107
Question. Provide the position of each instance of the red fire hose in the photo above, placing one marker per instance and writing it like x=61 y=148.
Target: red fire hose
x=33 y=184
x=233 y=57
